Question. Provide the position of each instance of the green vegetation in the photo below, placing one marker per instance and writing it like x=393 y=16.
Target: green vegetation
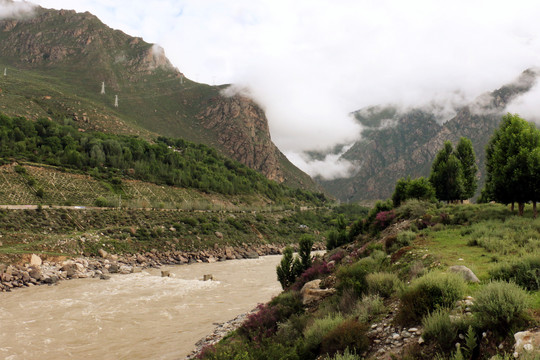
x=419 y=189
x=288 y=269
x=112 y=158
x=453 y=172
x=513 y=163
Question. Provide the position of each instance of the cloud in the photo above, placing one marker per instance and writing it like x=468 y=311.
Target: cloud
x=309 y=63
x=331 y=167
x=11 y=9
x=527 y=106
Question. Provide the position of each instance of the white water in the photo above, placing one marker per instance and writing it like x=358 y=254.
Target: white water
x=137 y=316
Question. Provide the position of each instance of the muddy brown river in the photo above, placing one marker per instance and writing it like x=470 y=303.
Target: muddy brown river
x=136 y=316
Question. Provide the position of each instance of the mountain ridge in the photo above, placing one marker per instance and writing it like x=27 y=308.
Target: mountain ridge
x=56 y=61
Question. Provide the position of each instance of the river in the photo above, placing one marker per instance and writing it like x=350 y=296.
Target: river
x=136 y=316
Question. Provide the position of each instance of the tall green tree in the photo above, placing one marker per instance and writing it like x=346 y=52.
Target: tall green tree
x=447 y=174
x=510 y=162
x=465 y=154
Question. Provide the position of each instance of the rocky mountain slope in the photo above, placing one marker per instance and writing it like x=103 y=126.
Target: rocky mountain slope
x=396 y=144
x=56 y=62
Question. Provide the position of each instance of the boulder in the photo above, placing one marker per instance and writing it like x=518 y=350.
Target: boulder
x=311 y=292
x=229 y=253
x=465 y=272
x=165 y=273
x=103 y=253
x=35 y=273
x=527 y=342
x=219 y=235
x=251 y=255
x=207 y=277
x=35 y=260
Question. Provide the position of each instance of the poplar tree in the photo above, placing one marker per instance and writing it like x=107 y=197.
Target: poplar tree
x=447 y=174
x=510 y=162
x=465 y=154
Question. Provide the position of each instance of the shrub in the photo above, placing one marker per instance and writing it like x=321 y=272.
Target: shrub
x=319 y=268
x=347 y=355
x=383 y=283
x=101 y=202
x=383 y=219
x=350 y=334
x=429 y=292
x=525 y=272
x=438 y=329
x=287 y=304
x=369 y=307
x=314 y=334
x=261 y=324
x=354 y=276
x=402 y=239
x=500 y=306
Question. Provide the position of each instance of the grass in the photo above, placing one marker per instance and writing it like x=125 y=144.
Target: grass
x=482 y=236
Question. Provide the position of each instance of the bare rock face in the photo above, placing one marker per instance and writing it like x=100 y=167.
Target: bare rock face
x=243 y=132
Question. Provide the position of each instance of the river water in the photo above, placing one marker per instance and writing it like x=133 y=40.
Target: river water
x=136 y=316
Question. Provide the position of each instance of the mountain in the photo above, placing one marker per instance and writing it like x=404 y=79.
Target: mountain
x=398 y=143
x=57 y=60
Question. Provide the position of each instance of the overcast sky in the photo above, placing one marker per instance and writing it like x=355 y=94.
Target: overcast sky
x=311 y=62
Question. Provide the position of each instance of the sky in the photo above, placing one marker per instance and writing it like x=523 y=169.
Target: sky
x=309 y=63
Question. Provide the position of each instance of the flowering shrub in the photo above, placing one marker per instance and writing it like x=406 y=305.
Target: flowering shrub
x=314 y=272
x=337 y=256
x=261 y=324
x=383 y=219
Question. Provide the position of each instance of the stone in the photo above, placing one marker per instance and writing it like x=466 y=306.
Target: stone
x=165 y=273
x=104 y=277
x=219 y=235
x=412 y=330
x=207 y=277
x=35 y=260
x=103 y=253
x=311 y=292
x=465 y=272
x=136 y=269
x=35 y=273
x=211 y=259
x=113 y=268
x=251 y=255
x=527 y=342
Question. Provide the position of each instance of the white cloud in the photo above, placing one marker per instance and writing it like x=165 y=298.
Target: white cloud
x=331 y=167
x=11 y=9
x=527 y=106
x=311 y=62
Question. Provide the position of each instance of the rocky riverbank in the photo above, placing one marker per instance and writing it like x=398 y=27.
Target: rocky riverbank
x=37 y=271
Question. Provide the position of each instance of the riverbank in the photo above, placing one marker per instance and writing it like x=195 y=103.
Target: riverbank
x=34 y=270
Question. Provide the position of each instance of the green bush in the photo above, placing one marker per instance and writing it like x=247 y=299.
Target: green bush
x=101 y=202
x=347 y=355
x=439 y=329
x=414 y=209
x=500 y=306
x=314 y=334
x=350 y=334
x=402 y=239
x=383 y=283
x=525 y=272
x=429 y=292
x=353 y=276
x=369 y=307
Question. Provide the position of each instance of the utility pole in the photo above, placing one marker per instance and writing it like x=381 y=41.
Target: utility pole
x=116 y=101
x=103 y=87
x=5 y=71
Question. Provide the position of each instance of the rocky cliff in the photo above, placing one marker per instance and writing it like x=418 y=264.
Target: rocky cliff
x=398 y=144
x=57 y=61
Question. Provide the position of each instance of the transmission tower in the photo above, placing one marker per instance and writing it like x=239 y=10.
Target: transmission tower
x=103 y=87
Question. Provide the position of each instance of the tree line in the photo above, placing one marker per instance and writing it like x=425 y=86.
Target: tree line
x=512 y=169
x=111 y=157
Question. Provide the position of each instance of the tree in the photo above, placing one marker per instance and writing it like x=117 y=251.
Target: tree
x=305 y=245
x=511 y=163
x=447 y=174
x=419 y=188
x=288 y=269
x=465 y=154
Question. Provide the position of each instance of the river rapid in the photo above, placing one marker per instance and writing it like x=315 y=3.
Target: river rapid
x=135 y=316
